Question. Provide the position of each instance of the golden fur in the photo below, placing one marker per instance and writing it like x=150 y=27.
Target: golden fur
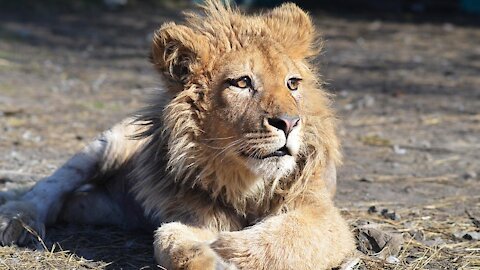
x=198 y=159
x=224 y=30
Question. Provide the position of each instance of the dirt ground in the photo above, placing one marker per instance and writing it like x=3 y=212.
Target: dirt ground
x=407 y=94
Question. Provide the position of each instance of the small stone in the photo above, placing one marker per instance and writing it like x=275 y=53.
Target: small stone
x=398 y=150
x=343 y=93
x=470 y=175
x=467 y=235
x=369 y=101
x=408 y=189
x=390 y=215
x=366 y=179
x=425 y=144
x=372 y=209
x=366 y=101
x=348 y=107
x=373 y=240
x=392 y=260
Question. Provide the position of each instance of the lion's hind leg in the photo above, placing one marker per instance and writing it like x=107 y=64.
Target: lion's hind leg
x=92 y=205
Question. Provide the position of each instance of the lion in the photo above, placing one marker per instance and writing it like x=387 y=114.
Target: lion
x=232 y=163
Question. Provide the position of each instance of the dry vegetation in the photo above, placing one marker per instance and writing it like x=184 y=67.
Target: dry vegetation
x=408 y=96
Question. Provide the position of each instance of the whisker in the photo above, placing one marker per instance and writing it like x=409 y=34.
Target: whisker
x=263 y=143
x=218 y=138
x=262 y=140
x=258 y=134
x=214 y=147
x=231 y=146
x=228 y=147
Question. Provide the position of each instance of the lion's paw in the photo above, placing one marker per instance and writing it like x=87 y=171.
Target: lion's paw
x=178 y=247
x=203 y=257
x=19 y=223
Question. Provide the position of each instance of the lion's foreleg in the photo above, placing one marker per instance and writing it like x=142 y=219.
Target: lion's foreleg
x=313 y=237
x=43 y=202
x=178 y=246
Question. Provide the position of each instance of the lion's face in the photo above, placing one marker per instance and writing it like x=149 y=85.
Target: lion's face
x=251 y=83
x=256 y=116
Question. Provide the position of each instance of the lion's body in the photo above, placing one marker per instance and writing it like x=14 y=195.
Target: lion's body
x=223 y=172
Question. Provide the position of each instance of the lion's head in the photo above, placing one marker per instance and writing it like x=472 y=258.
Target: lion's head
x=243 y=113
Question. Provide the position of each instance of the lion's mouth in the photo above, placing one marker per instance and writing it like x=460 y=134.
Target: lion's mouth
x=283 y=151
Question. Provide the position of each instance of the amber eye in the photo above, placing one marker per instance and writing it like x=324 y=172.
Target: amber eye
x=242 y=82
x=293 y=83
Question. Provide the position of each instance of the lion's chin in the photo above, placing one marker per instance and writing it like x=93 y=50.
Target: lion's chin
x=272 y=167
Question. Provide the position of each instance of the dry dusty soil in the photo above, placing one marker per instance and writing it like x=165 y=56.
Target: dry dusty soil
x=407 y=95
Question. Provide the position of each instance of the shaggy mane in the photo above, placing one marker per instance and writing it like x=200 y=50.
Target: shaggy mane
x=175 y=158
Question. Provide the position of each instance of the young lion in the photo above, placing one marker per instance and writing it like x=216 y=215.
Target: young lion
x=233 y=161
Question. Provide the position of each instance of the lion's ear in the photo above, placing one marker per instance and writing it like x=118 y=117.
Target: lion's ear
x=178 y=52
x=293 y=28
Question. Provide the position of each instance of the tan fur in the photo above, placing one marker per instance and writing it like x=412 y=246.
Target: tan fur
x=197 y=158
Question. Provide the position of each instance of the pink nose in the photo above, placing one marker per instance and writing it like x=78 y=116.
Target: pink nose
x=285 y=123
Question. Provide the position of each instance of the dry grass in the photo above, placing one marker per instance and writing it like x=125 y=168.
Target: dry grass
x=429 y=234
x=15 y=258
x=67 y=247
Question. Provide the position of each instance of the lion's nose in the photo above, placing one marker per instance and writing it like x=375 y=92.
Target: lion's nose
x=285 y=123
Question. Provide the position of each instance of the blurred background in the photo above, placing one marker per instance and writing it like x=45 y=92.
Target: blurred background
x=405 y=75
x=417 y=6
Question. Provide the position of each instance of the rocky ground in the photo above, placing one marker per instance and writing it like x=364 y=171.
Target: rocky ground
x=407 y=94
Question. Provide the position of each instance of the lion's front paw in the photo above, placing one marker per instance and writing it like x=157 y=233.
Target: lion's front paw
x=19 y=223
x=240 y=249
x=193 y=256
x=178 y=246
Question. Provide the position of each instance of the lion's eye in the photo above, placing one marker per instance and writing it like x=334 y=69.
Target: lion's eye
x=242 y=82
x=293 y=83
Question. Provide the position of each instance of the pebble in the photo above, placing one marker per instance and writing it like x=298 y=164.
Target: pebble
x=398 y=150
x=366 y=102
x=468 y=235
x=425 y=144
x=366 y=179
x=470 y=175
x=372 y=209
x=343 y=93
x=392 y=260
x=390 y=215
